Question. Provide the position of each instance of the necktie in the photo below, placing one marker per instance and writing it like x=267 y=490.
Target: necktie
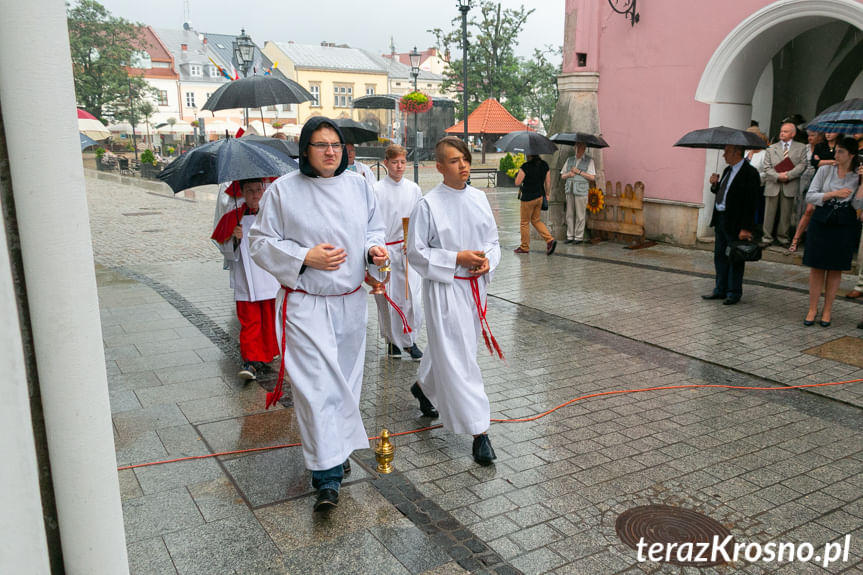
x=785 y=150
x=723 y=188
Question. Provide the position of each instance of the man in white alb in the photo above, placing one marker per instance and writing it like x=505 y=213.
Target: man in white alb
x=317 y=230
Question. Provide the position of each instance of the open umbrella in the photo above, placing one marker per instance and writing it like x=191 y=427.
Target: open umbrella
x=846 y=117
x=225 y=161
x=354 y=132
x=256 y=92
x=284 y=146
x=718 y=137
x=91 y=126
x=573 y=138
x=87 y=141
x=179 y=127
x=527 y=142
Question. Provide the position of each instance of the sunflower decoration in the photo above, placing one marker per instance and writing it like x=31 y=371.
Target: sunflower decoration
x=595 y=200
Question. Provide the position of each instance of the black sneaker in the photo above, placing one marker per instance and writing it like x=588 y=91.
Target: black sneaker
x=327 y=499
x=248 y=371
x=393 y=350
x=426 y=406
x=346 y=467
x=415 y=352
x=483 y=453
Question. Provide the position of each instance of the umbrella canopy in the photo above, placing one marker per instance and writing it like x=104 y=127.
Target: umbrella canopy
x=284 y=146
x=256 y=92
x=87 y=141
x=527 y=142
x=220 y=126
x=91 y=126
x=573 y=138
x=354 y=132
x=225 y=161
x=720 y=136
x=291 y=130
x=179 y=127
x=121 y=128
x=849 y=127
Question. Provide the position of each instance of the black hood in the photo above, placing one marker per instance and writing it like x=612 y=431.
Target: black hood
x=306 y=135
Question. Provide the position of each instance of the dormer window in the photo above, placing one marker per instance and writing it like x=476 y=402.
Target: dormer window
x=196 y=71
x=214 y=72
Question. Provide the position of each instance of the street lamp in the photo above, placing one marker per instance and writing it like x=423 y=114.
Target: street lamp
x=415 y=72
x=464 y=6
x=244 y=52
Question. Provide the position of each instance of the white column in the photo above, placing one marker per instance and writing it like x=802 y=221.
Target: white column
x=733 y=116
x=38 y=106
x=23 y=548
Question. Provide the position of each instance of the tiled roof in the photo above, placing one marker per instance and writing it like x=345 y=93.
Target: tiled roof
x=310 y=56
x=490 y=117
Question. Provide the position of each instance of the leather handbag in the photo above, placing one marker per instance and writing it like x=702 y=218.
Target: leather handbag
x=544 y=203
x=743 y=251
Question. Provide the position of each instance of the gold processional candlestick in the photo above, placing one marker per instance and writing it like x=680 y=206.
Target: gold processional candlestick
x=405 y=223
x=384 y=449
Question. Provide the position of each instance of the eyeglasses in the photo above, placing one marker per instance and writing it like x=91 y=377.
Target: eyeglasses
x=323 y=146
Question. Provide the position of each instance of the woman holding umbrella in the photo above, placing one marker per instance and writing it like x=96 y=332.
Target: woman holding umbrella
x=832 y=232
x=534 y=181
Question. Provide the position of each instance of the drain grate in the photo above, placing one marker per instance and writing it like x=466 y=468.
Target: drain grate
x=672 y=527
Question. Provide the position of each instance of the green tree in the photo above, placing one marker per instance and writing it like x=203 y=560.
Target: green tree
x=539 y=76
x=102 y=47
x=493 y=68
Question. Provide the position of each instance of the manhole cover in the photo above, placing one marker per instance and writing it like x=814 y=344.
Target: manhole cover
x=672 y=527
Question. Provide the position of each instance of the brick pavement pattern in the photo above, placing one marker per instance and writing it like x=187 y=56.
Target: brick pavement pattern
x=770 y=465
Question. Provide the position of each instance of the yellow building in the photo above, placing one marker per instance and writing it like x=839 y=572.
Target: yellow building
x=335 y=75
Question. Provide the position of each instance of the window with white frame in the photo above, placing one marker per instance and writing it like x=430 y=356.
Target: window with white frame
x=343 y=96
x=190 y=99
x=370 y=90
x=214 y=72
x=195 y=70
x=163 y=97
x=315 y=90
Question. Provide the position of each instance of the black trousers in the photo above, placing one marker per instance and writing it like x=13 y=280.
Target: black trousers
x=729 y=276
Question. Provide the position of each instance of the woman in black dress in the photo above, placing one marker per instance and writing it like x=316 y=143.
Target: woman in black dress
x=831 y=238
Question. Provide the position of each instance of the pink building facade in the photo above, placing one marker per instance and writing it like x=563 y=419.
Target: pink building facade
x=690 y=65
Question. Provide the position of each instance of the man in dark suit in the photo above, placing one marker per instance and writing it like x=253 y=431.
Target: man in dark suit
x=733 y=218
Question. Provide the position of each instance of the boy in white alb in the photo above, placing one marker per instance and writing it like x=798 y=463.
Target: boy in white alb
x=453 y=244
x=254 y=289
x=397 y=198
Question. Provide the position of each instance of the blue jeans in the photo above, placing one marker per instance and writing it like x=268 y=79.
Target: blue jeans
x=328 y=478
x=729 y=276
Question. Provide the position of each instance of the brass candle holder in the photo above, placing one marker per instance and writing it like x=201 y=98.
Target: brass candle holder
x=385 y=452
x=379 y=286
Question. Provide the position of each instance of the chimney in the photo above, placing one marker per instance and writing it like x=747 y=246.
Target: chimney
x=184 y=47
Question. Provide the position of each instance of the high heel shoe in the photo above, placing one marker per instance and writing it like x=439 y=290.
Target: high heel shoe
x=823 y=323
x=808 y=322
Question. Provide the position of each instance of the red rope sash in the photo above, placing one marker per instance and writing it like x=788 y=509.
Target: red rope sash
x=394 y=243
x=276 y=394
x=405 y=327
x=480 y=311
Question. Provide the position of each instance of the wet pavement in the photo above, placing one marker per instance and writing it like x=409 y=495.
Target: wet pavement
x=778 y=465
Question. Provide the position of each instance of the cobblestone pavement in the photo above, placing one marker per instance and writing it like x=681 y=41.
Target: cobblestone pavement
x=771 y=466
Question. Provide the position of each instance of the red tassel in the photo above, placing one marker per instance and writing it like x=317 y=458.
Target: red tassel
x=405 y=327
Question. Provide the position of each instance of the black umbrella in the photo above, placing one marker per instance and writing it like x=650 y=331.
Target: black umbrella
x=527 y=142
x=573 y=138
x=256 y=92
x=284 y=146
x=720 y=136
x=225 y=161
x=354 y=132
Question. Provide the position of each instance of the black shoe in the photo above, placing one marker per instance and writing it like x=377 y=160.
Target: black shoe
x=483 y=453
x=569 y=242
x=248 y=371
x=426 y=406
x=808 y=322
x=731 y=301
x=346 y=466
x=550 y=246
x=713 y=296
x=327 y=499
x=415 y=352
x=823 y=323
x=393 y=350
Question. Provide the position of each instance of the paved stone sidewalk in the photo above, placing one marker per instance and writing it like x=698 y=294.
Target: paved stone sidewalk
x=770 y=465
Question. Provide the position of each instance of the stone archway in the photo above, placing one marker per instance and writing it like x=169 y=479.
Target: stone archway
x=731 y=75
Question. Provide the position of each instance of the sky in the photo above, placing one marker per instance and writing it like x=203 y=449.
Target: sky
x=338 y=21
